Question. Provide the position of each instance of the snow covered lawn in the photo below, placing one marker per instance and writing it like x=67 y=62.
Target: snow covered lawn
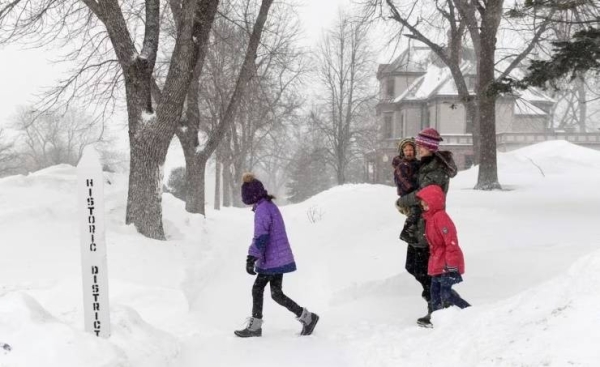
x=532 y=273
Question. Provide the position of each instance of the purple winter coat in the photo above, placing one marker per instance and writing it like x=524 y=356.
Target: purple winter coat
x=270 y=244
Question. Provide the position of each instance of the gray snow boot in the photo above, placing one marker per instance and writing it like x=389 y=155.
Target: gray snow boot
x=252 y=329
x=308 y=320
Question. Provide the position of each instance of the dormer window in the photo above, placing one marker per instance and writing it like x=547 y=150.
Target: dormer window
x=389 y=87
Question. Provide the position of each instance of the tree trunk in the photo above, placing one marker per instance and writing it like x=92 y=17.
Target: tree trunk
x=201 y=161
x=195 y=183
x=488 y=167
x=473 y=114
x=218 y=175
x=227 y=183
x=216 y=136
x=237 y=175
x=341 y=177
x=148 y=144
x=194 y=180
x=144 y=198
x=581 y=96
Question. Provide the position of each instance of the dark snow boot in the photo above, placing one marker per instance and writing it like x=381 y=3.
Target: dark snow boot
x=425 y=321
x=252 y=329
x=309 y=321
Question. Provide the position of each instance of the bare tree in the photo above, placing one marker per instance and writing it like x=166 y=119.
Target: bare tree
x=9 y=159
x=345 y=74
x=196 y=157
x=152 y=117
x=265 y=103
x=52 y=137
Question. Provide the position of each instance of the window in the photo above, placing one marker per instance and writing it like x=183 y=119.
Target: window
x=390 y=87
x=468 y=123
x=401 y=126
x=387 y=125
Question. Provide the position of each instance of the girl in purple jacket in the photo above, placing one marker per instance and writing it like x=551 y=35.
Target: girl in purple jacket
x=270 y=255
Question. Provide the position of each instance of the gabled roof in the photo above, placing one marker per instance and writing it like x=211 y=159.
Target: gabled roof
x=448 y=86
x=437 y=81
x=411 y=60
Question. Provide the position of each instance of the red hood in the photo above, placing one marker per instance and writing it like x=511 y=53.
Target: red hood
x=434 y=197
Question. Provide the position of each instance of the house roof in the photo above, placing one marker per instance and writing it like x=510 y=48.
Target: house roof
x=448 y=87
x=437 y=81
x=526 y=108
x=535 y=95
x=411 y=60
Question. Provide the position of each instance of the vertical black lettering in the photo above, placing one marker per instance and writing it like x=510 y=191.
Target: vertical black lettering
x=92 y=247
x=90 y=201
x=91 y=208
x=91 y=219
x=89 y=182
x=95 y=288
x=96 y=307
x=95 y=269
x=92 y=228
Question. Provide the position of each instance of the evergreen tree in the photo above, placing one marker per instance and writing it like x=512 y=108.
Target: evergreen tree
x=570 y=58
x=309 y=174
x=177 y=183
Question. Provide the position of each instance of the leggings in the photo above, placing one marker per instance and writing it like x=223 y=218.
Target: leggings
x=258 y=289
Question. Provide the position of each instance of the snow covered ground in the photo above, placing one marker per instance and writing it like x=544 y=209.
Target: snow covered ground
x=532 y=274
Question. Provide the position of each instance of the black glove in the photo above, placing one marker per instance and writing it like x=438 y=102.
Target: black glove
x=250 y=260
x=452 y=275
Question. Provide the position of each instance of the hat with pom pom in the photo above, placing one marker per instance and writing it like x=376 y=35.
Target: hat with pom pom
x=429 y=138
x=252 y=189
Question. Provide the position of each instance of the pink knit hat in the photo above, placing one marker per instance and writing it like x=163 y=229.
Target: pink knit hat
x=429 y=138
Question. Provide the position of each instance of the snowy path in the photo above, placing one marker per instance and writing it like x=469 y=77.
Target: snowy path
x=368 y=304
x=225 y=302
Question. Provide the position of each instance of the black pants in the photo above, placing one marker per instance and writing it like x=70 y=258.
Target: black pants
x=258 y=289
x=417 y=259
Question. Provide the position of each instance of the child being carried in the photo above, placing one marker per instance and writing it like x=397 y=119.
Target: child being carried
x=406 y=167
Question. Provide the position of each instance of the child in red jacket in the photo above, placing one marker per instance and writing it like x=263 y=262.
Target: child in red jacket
x=446 y=261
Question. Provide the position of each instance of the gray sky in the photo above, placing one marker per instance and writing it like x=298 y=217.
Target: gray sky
x=23 y=73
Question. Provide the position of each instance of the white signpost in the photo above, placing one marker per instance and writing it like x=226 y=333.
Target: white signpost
x=90 y=185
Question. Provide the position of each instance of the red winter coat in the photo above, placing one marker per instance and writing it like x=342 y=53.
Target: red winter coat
x=441 y=233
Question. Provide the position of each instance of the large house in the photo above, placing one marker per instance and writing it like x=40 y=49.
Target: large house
x=417 y=90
